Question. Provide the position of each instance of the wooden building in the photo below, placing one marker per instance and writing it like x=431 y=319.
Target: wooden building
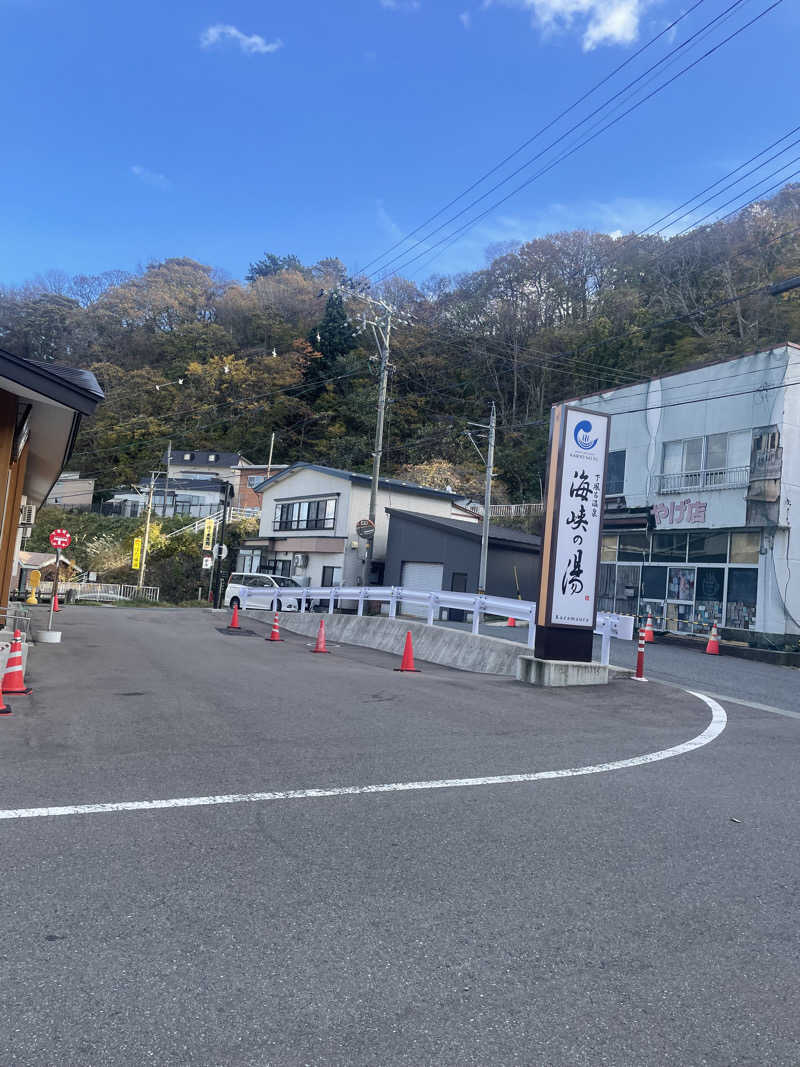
x=41 y=407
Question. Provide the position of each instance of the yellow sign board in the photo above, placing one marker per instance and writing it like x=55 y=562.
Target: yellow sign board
x=208 y=534
x=136 y=561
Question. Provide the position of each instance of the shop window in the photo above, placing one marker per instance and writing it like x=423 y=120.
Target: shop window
x=654 y=583
x=606 y=587
x=627 y=590
x=745 y=545
x=615 y=473
x=608 y=548
x=742 y=591
x=708 y=547
x=709 y=591
x=632 y=547
x=680 y=583
x=669 y=547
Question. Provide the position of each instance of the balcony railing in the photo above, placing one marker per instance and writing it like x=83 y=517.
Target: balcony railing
x=689 y=481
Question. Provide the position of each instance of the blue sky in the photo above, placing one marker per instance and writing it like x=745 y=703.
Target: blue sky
x=223 y=130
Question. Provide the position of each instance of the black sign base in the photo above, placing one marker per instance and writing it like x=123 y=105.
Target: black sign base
x=563 y=642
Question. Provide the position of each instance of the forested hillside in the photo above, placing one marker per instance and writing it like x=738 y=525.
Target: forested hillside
x=186 y=354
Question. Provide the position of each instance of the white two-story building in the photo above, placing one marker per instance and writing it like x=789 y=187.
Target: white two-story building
x=308 y=523
x=703 y=475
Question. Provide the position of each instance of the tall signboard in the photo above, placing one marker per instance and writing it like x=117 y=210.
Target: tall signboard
x=576 y=475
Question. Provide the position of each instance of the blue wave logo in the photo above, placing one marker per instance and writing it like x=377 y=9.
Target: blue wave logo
x=583 y=435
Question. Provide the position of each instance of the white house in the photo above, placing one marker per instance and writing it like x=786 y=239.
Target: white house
x=308 y=523
x=704 y=469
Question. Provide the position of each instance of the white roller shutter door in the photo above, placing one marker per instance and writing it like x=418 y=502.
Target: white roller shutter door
x=424 y=576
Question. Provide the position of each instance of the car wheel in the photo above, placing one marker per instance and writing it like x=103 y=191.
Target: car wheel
x=278 y=605
x=235 y=602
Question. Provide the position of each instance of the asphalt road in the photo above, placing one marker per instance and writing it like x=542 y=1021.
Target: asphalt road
x=646 y=915
x=721 y=676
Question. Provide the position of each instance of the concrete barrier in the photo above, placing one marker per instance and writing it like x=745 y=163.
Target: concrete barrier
x=433 y=644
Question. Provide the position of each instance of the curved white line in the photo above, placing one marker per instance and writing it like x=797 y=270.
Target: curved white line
x=718 y=722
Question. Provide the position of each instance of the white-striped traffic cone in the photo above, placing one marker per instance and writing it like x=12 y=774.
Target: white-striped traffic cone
x=13 y=680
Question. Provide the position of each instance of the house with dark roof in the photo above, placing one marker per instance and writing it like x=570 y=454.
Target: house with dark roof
x=431 y=552
x=41 y=407
x=308 y=522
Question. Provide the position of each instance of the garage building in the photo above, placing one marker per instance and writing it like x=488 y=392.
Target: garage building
x=428 y=552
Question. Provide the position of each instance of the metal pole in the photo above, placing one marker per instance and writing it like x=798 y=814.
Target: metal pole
x=54 y=592
x=269 y=461
x=487 y=503
x=166 y=480
x=147 y=528
x=218 y=562
x=376 y=456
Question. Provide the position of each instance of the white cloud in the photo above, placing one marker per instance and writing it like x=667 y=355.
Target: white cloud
x=466 y=19
x=601 y=21
x=250 y=44
x=387 y=223
x=405 y=6
x=151 y=177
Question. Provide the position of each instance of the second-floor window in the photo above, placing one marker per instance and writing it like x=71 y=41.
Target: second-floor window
x=718 y=460
x=306 y=515
x=615 y=475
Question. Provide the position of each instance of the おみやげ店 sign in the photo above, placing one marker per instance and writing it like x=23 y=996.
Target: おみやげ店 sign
x=576 y=519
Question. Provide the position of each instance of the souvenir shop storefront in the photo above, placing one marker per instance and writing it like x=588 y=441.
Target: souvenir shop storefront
x=686 y=579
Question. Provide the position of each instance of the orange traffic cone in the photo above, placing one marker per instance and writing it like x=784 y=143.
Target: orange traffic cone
x=13 y=681
x=55 y=602
x=649 y=636
x=320 y=645
x=511 y=622
x=275 y=635
x=408 y=656
x=234 y=623
x=712 y=648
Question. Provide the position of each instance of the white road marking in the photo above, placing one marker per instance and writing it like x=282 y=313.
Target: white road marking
x=713 y=730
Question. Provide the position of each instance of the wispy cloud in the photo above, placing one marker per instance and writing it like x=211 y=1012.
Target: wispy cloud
x=404 y=6
x=151 y=177
x=601 y=22
x=387 y=223
x=466 y=19
x=251 y=44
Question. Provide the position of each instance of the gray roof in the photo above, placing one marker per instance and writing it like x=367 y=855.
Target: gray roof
x=200 y=457
x=499 y=534
x=360 y=479
x=75 y=388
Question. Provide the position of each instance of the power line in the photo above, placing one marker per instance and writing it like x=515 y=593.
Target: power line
x=668 y=29
x=470 y=223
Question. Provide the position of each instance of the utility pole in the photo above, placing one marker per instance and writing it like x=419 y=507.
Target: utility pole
x=381 y=327
x=269 y=461
x=166 y=480
x=147 y=528
x=382 y=337
x=487 y=493
x=218 y=590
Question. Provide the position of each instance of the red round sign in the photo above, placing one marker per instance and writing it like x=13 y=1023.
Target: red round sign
x=60 y=538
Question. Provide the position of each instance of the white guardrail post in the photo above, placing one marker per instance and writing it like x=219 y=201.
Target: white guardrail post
x=361 y=594
x=393 y=603
x=303 y=600
x=331 y=600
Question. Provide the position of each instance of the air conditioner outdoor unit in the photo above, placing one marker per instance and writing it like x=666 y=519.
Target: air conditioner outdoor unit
x=300 y=561
x=27 y=516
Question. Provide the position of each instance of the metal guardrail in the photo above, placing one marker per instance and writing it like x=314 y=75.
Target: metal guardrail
x=508 y=511
x=433 y=602
x=101 y=591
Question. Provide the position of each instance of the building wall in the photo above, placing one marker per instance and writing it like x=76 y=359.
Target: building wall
x=352 y=505
x=73 y=493
x=735 y=397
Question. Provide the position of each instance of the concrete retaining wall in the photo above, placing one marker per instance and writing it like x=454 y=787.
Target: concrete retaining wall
x=434 y=644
